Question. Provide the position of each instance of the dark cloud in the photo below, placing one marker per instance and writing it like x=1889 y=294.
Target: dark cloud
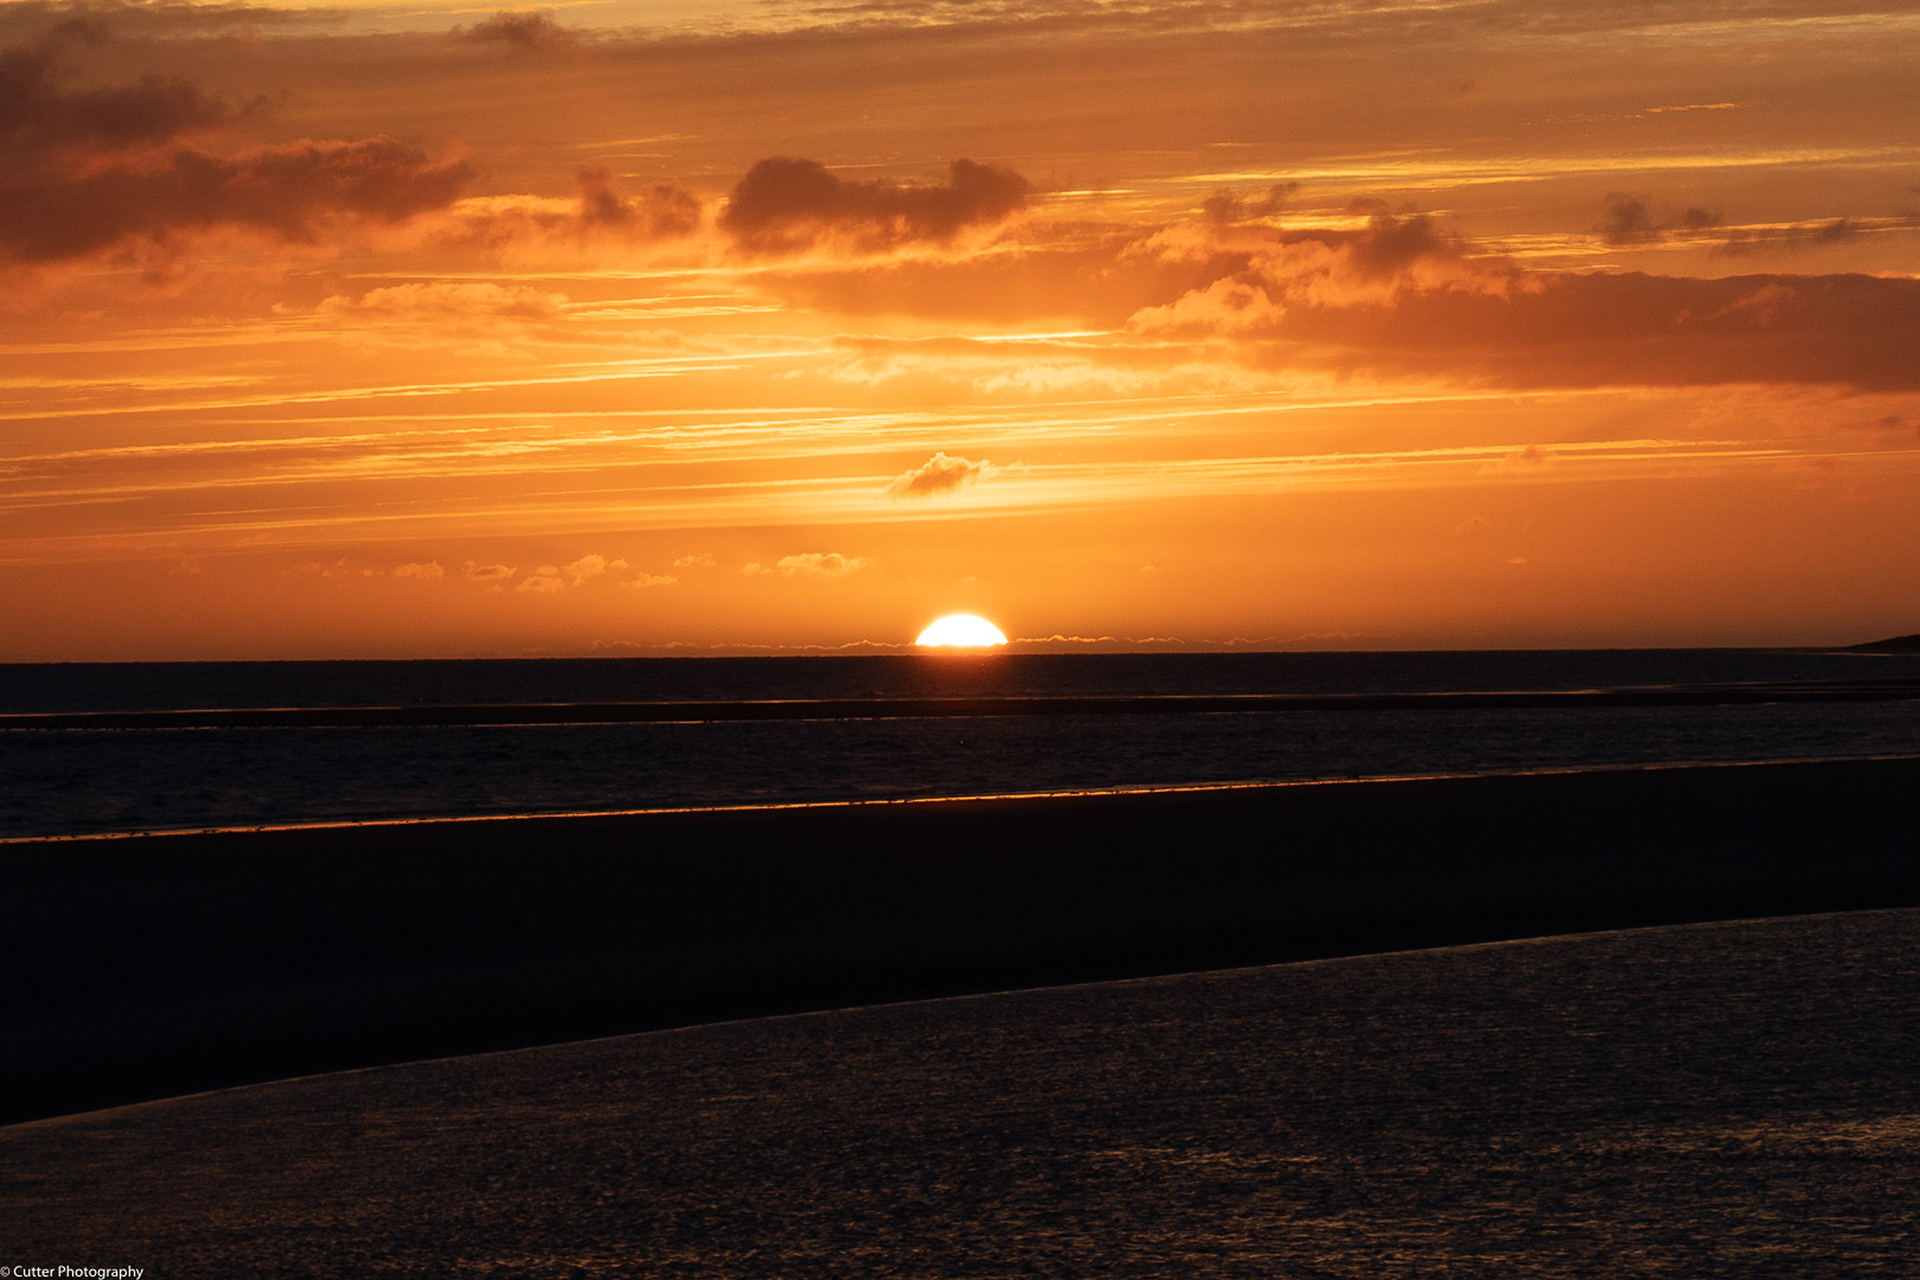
x=787 y=206
x=1903 y=424
x=658 y=213
x=1624 y=329
x=287 y=192
x=86 y=170
x=1225 y=207
x=1630 y=221
x=517 y=30
x=1087 y=287
x=43 y=125
x=1627 y=220
x=600 y=216
x=1390 y=245
x=1103 y=287
x=95 y=21
x=1747 y=241
x=937 y=475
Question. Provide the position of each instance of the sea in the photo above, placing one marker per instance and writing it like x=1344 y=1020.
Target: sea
x=1735 y=1100
x=106 y=749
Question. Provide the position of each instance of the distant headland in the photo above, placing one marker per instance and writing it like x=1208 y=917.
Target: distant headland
x=1899 y=644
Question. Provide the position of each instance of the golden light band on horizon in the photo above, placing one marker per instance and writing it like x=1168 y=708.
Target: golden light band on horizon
x=1350 y=331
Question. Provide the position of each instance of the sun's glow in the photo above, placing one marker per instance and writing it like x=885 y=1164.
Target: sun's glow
x=781 y=385
x=961 y=631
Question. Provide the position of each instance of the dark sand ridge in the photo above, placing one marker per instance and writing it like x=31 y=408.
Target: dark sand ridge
x=152 y=966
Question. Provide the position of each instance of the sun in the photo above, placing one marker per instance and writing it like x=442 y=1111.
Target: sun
x=961 y=631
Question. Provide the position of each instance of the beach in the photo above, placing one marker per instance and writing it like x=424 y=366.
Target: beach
x=1731 y=1099
x=159 y=965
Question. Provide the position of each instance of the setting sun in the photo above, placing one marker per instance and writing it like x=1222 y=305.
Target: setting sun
x=1171 y=342
x=961 y=631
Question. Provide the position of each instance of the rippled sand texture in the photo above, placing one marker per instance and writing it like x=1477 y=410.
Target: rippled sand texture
x=1724 y=1100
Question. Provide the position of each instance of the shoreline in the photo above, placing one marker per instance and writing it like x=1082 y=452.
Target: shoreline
x=241 y=957
x=909 y=1002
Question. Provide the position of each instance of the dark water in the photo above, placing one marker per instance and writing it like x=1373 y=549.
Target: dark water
x=1734 y=1100
x=73 y=781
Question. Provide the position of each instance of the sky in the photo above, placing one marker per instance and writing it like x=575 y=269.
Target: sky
x=741 y=326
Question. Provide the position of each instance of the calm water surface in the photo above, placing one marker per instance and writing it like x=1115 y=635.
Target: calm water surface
x=1725 y=1100
x=76 y=781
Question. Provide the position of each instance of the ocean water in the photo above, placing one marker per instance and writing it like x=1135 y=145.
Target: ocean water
x=1729 y=1100
x=156 y=773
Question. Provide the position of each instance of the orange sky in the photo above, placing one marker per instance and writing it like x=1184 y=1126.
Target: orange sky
x=715 y=326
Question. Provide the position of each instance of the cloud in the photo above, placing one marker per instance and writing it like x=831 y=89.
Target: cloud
x=1228 y=305
x=1901 y=424
x=659 y=212
x=939 y=474
x=787 y=206
x=1526 y=461
x=1629 y=329
x=1794 y=238
x=1401 y=300
x=1258 y=281
x=43 y=125
x=287 y=192
x=586 y=568
x=87 y=170
x=695 y=561
x=549 y=579
x=519 y=30
x=1225 y=207
x=97 y=21
x=425 y=572
x=450 y=298
x=336 y=571
x=1400 y=297
x=824 y=564
x=1086 y=286
x=1629 y=221
x=598 y=216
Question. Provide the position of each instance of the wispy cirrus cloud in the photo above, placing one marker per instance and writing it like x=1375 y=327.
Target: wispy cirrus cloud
x=448 y=298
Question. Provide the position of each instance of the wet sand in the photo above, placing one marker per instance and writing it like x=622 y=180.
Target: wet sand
x=1737 y=1099
x=160 y=965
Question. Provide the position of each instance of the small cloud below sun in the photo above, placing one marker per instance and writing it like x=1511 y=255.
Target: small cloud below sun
x=940 y=474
